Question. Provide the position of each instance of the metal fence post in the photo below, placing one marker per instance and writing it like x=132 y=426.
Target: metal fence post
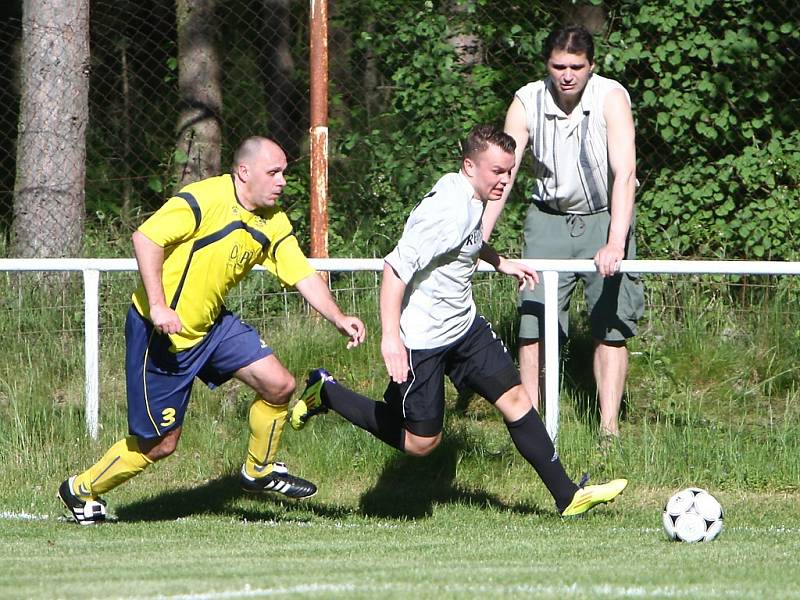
x=91 y=296
x=551 y=353
x=319 y=128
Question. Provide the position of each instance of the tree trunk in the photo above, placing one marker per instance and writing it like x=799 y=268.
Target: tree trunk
x=49 y=194
x=286 y=118
x=372 y=99
x=199 y=135
x=592 y=17
x=468 y=45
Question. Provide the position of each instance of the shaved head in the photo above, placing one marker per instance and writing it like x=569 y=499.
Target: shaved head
x=258 y=172
x=252 y=147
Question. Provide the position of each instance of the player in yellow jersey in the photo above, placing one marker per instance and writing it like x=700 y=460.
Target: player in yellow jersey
x=190 y=252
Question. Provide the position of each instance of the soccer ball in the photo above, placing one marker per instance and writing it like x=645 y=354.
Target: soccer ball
x=692 y=515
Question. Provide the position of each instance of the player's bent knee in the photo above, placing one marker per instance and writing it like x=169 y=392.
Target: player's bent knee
x=287 y=388
x=514 y=404
x=277 y=391
x=159 y=448
x=417 y=445
x=269 y=379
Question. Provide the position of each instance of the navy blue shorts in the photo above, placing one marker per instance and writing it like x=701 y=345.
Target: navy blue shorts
x=159 y=381
x=478 y=360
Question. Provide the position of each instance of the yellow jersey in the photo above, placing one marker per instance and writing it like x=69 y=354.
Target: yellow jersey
x=210 y=243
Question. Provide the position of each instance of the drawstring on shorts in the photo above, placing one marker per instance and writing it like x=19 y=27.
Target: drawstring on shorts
x=576 y=225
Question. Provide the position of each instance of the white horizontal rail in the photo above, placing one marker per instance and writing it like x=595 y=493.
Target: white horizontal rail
x=699 y=267
x=91 y=268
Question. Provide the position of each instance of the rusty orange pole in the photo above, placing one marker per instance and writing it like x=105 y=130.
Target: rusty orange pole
x=319 y=128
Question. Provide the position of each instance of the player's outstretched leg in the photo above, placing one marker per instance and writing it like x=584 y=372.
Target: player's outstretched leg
x=278 y=480
x=311 y=401
x=85 y=512
x=590 y=496
x=324 y=393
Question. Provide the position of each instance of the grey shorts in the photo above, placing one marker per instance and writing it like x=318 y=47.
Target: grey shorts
x=615 y=304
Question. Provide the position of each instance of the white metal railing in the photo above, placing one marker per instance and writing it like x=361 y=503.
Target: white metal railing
x=91 y=268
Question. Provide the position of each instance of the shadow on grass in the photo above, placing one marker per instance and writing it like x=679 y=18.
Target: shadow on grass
x=410 y=487
x=224 y=497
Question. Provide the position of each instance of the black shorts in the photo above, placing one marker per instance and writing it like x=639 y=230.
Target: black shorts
x=478 y=360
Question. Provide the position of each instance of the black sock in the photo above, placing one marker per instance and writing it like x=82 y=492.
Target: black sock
x=530 y=437
x=366 y=413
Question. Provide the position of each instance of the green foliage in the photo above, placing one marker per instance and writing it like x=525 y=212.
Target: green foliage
x=436 y=97
x=686 y=60
x=739 y=206
x=718 y=150
x=712 y=86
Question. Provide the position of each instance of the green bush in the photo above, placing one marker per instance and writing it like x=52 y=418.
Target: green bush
x=739 y=206
x=718 y=150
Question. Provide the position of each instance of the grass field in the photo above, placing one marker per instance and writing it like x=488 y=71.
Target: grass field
x=261 y=548
x=712 y=401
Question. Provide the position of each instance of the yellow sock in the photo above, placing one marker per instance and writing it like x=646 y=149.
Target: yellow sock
x=266 y=425
x=121 y=462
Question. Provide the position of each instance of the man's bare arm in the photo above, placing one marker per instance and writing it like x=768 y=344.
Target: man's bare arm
x=517 y=127
x=392 y=348
x=622 y=161
x=150 y=258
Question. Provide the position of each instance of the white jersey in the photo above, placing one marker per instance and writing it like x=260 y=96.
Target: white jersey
x=570 y=152
x=436 y=258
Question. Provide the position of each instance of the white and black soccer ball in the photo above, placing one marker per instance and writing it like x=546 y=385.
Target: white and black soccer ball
x=692 y=515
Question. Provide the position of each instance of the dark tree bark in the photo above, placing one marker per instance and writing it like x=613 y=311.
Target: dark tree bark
x=199 y=131
x=49 y=196
x=286 y=117
x=592 y=17
x=371 y=78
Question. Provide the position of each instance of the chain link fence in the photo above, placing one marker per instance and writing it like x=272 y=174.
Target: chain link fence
x=713 y=84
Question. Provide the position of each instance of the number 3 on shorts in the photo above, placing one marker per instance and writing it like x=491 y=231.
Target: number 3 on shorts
x=168 y=417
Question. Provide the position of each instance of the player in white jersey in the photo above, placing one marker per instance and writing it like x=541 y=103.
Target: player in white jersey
x=431 y=328
x=579 y=129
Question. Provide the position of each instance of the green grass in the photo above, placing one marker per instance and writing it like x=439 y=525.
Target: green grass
x=254 y=548
x=712 y=401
